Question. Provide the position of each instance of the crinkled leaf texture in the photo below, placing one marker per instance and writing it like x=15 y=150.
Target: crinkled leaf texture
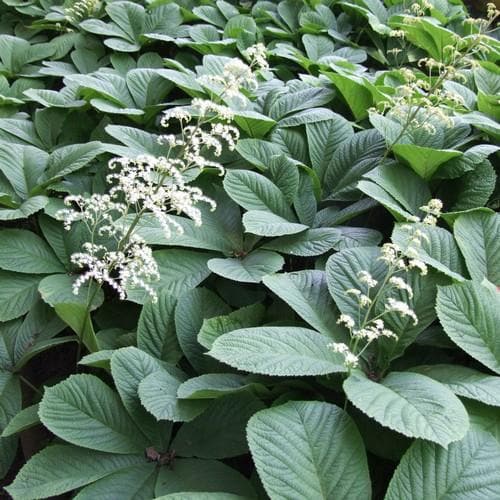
x=309 y=449
x=61 y=468
x=411 y=404
x=274 y=350
x=84 y=411
x=464 y=381
x=470 y=315
x=468 y=469
x=477 y=235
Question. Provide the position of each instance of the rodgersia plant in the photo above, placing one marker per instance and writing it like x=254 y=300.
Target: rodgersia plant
x=374 y=298
x=291 y=292
x=146 y=185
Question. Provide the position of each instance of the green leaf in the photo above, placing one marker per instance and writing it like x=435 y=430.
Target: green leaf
x=84 y=411
x=318 y=446
x=402 y=185
x=477 y=236
x=424 y=161
x=249 y=269
x=484 y=417
x=285 y=351
x=18 y=294
x=466 y=469
x=57 y=291
x=129 y=366
x=156 y=329
x=309 y=243
x=422 y=303
x=158 y=394
x=411 y=404
x=131 y=483
x=219 y=432
x=263 y=223
x=253 y=191
x=68 y=159
x=212 y=328
x=211 y=476
x=192 y=308
x=23 y=251
x=465 y=382
x=306 y=292
x=296 y=100
x=27 y=208
x=470 y=315
x=213 y=385
x=356 y=156
x=24 y=419
x=323 y=139
x=10 y=405
x=258 y=152
x=342 y=271
x=61 y=468
x=438 y=248
x=180 y=271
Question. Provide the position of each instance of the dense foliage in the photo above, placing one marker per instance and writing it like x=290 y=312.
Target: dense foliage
x=249 y=250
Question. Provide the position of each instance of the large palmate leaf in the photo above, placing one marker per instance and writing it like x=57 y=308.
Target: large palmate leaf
x=477 y=236
x=263 y=223
x=470 y=315
x=156 y=329
x=84 y=411
x=245 y=317
x=192 y=309
x=61 y=468
x=180 y=271
x=253 y=191
x=342 y=271
x=282 y=351
x=131 y=483
x=130 y=22
x=214 y=385
x=318 y=446
x=309 y=243
x=438 y=248
x=465 y=382
x=18 y=293
x=324 y=138
x=466 y=469
x=411 y=404
x=249 y=269
x=355 y=157
x=158 y=394
x=306 y=292
x=129 y=366
x=23 y=251
x=57 y=291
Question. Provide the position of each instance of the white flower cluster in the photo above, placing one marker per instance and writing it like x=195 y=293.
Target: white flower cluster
x=374 y=296
x=133 y=266
x=237 y=75
x=350 y=359
x=258 y=56
x=148 y=185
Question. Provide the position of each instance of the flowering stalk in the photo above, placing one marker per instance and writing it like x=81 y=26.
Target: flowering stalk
x=115 y=253
x=369 y=325
x=420 y=94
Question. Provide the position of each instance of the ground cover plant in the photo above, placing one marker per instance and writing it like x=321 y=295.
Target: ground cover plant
x=249 y=250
